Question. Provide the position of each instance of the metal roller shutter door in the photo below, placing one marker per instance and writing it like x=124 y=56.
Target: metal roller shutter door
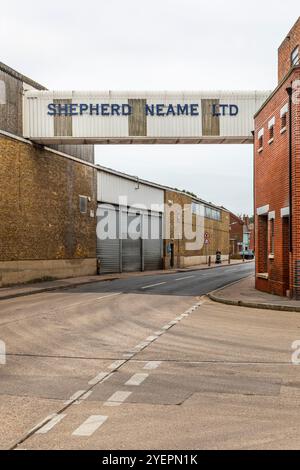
x=108 y=250
x=153 y=244
x=131 y=245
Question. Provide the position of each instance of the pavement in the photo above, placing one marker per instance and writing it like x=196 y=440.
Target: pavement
x=60 y=284
x=148 y=362
x=243 y=293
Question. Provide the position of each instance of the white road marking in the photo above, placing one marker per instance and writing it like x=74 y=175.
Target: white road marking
x=172 y=323
x=90 y=425
x=137 y=379
x=152 y=365
x=153 y=285
x=167 y=327
x=55 y=420
x=151 y=338
x=41 y=423
x=159 y=333
x=183 y=278
x=98 y=377
x=141 y=346
x=106 y=296
x=116 y=364
x=128 y=355
x=84 y=397
x=74 y=397
x=117 y=398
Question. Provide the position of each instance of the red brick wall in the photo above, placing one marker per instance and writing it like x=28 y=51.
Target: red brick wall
x=272 y=188
x=291 y=41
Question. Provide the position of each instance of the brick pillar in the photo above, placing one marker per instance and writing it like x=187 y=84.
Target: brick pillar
x=295 y=265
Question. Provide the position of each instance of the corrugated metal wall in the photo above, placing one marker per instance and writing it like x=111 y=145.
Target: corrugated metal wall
x=111 y=188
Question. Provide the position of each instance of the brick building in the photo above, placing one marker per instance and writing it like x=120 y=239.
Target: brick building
x=277 y=178
x=236 y=232
x=47 y=198
x=213 y=227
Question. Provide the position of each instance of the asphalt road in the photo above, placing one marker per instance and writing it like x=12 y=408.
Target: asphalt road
x=147 y=362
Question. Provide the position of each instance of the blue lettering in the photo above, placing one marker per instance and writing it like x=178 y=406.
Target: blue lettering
x=215 y=109
x=83 y=107
x=73 y=108
x=171 y=110
x=63 y=109
x=160 y=110
x=194 y=110
x=126 y=110
x=115 y=109
x=224 y=107
x=184 y=110
x=149 y=109
x=94 y=107
x=105 y=109
x=51 y=109
x=234 y=110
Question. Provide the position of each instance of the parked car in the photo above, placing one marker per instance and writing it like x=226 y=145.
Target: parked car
x=247 y=254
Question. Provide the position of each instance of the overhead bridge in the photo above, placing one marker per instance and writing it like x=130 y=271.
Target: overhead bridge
x=76 y=117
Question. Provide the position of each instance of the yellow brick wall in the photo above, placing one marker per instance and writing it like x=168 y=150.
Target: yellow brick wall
x=39 y=205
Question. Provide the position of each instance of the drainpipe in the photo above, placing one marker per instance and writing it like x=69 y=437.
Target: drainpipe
x=290 y=93
x=254 y=203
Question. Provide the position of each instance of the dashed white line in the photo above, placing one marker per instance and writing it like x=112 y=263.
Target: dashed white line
x=90 y=425
x=74 y=397
x=128 y=355
x=183 y=278
x=100 y=376
x=152 y=365
x=117 y=398
x=106 y=296
x=151 y=338
x=137 y=379
x=116 y=364
x=55 y=420
x=153 y=285
x=84 y=397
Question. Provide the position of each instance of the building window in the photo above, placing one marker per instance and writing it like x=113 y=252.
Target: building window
x=271 y=126
x=213 y=214
x=295 y=57
x=83 y=202
x=260 y=140
x=283 y=118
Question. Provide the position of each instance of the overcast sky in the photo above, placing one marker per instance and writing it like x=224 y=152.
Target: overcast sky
x=155 y=45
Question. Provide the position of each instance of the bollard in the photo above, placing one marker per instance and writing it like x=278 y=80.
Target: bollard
x=209 y=261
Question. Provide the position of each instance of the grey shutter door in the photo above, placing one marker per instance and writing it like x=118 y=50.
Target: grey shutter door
x=108 y=250
x=131 y=248
x=153 y=243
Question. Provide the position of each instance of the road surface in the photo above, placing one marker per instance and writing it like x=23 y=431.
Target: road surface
x=147 y=362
